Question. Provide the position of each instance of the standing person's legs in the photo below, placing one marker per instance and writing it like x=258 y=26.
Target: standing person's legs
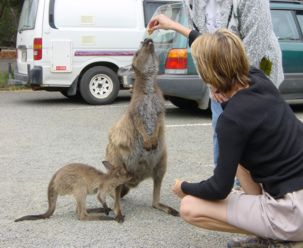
x=216 y=110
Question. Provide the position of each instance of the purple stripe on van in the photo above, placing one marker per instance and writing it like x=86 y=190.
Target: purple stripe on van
x=104 y=53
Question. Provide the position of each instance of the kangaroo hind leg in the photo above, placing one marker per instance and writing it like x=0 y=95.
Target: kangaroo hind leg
x=82 y=214
x=158 y=175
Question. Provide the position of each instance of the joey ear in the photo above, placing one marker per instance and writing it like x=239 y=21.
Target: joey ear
x=129 y=174
x=107 y=165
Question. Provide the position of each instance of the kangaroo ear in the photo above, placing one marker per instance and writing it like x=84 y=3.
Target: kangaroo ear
x=107 y=165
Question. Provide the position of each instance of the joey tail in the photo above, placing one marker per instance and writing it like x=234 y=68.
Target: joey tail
x=52 y=199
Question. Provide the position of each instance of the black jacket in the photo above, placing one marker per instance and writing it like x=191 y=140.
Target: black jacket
x=258 y=130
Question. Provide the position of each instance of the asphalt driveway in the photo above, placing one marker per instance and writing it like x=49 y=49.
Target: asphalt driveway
x=41 y=131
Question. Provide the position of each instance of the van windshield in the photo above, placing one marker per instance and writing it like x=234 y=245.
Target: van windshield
x=28 y=15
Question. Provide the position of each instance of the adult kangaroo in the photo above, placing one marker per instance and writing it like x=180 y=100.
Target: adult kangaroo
x=137 y=139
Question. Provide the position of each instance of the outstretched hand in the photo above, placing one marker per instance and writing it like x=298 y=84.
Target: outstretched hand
x=160 y=22
x=163 y=22
x=177 y=188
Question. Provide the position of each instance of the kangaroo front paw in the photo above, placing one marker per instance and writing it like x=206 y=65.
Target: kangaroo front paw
x=155 y=145
x=151 y=144
x=147 y=147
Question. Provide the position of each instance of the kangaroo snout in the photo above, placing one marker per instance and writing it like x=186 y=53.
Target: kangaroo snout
x=148 y=43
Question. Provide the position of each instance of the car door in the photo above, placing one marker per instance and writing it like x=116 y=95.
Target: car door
x=26 y=32
x=287 y=26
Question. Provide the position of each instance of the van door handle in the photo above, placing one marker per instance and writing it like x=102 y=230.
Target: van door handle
x=22 y=47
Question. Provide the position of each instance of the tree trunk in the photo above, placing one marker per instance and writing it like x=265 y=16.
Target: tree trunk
x=3 y=5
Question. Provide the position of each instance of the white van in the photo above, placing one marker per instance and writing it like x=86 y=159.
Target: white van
x=77 y=46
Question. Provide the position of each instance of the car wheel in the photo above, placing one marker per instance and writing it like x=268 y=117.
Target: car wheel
x=183 y=103
x=99 y=85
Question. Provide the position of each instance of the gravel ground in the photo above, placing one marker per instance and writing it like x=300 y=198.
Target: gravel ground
x=42 y=131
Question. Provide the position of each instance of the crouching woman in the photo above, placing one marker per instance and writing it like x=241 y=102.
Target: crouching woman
x=258 y=130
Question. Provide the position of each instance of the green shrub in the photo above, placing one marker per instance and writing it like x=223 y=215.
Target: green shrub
x=4 y=83
x=3 y=79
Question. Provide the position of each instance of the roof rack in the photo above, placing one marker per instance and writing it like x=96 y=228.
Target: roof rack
x=288 y=1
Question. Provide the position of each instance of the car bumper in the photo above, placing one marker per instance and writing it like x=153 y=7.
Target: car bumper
x=188 y=87
x=185 y=86
x=32 y=78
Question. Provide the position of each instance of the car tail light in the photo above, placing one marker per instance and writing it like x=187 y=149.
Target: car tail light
x=176 y=61
x=37 y=48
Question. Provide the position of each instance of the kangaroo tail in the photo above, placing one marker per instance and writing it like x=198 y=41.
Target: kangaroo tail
x=32 y=217
x=52 y=200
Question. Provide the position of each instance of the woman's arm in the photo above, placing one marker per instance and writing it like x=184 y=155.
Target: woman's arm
x=163 y=22
x=232 y=141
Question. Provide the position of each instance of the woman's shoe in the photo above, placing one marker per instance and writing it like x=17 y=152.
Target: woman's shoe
x=256 y=242
x=249 y=242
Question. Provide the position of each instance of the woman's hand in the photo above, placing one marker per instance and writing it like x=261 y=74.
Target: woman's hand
x=216 y=95
x=177 y=188
x=219 y=97
x=160 y=22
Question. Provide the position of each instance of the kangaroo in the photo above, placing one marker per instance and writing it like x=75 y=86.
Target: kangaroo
x=79 y=180
x=137 y=139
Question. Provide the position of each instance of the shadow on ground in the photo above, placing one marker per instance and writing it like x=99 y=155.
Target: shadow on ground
x=298 y=108
x=178 y=112
x=55 y=98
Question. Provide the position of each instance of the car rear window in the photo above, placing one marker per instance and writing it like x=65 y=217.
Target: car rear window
x=166 y=38
x=28 y=15
x=284 y=25
x=150 y=6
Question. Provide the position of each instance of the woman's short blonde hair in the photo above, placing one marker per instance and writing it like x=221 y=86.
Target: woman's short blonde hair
x=221 y=60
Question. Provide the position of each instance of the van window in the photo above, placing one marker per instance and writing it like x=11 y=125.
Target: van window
x=95 y=14
x=28 y=15
x=284 y=25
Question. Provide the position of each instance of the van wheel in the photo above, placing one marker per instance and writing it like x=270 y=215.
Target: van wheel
x=183 y=103
x=99 y=85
